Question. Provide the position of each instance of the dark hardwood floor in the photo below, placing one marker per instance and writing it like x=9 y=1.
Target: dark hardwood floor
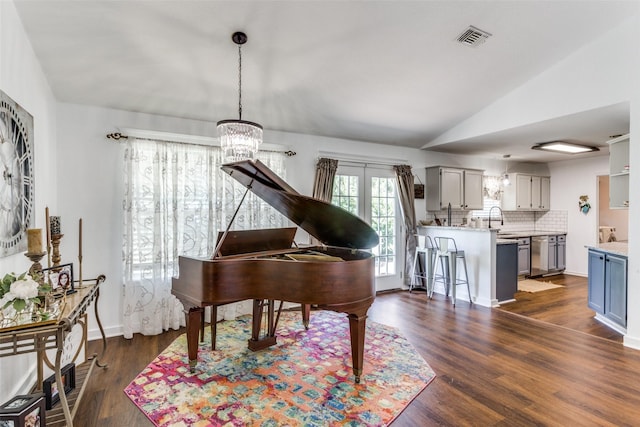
x=494 y=367
x=565 y=306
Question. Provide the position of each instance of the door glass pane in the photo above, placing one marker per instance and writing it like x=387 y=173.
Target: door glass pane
x=345 y=193
x=383 y=221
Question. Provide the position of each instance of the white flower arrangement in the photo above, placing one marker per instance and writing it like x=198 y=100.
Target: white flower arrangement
x=18 y=290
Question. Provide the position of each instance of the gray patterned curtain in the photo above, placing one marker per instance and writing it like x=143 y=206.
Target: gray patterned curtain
x=407 y=204
x=323 y=183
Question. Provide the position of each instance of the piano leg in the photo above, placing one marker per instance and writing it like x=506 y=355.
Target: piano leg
x=357 y=329
x=214 y=326
x=306 y=314
x=194 y=320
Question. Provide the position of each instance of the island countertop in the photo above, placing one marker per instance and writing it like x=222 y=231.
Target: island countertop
x=617 y=248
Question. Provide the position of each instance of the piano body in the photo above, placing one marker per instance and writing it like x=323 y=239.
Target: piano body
x=266 y=266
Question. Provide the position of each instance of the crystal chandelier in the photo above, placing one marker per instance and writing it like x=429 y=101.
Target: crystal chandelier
x=239 y=138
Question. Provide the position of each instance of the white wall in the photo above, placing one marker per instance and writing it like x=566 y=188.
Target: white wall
x=571 y=179
x=22 y=79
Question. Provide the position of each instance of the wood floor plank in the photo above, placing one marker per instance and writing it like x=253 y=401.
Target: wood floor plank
x=519 y=365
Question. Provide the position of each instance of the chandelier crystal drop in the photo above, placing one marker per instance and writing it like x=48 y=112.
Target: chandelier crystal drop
x=239 y=139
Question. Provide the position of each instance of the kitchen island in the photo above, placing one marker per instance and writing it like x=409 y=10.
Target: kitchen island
x=479 y=246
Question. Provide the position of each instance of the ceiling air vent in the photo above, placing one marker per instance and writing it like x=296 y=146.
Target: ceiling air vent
x=473 y=36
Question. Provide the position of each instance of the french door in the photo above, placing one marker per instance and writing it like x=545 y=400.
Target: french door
x=370 y=193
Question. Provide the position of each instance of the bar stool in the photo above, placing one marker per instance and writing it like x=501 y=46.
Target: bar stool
x=428 y=250
x=448 y=254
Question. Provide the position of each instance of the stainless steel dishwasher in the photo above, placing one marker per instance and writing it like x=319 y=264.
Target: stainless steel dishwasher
x=539 y=255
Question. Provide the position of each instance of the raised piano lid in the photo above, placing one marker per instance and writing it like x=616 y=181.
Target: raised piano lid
x=331 y=225
x=248 y=241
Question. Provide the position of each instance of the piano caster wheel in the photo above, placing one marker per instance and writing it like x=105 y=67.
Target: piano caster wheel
x=192 y=366
x=357 y=379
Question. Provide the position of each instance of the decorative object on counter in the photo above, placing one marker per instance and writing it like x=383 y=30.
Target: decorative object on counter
x=425 y=223
x=49 y=386
x=36 y=268
x=55 y=243
x=54 y=223
x=20 y=295
x=80 y=253
x=18 y=291
x=34 y=240
x=60 y=279
x=24 y=411
x=584 y=204
x=48 y=226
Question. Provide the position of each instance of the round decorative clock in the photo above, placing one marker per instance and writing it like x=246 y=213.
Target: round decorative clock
x=16 y=175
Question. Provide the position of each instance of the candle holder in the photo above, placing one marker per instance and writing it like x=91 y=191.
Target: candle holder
x=36 y=268
x=55 y=242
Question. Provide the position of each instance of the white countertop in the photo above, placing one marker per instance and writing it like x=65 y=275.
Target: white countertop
x=618 y=248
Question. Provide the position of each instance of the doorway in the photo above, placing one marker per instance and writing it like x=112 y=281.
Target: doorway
x=613 y=224
x=369 y=191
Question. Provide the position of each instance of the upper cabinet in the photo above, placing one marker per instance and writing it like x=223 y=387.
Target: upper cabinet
x=460 y=187
x=619 y=172
x=528 y=193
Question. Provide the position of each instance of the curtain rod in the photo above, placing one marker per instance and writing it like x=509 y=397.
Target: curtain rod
x=185 y=139
x=363 y=160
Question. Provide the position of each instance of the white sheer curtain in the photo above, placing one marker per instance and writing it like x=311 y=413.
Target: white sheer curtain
x=176 y=200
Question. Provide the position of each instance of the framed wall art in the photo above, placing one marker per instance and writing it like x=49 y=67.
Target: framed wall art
x=24 y=411
x=50 y=387
x=60 y=278
x=16 y=183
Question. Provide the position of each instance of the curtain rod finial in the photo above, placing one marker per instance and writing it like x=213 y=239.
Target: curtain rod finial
x=117 y=136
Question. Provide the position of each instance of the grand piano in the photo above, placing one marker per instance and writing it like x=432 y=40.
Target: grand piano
x=267 y=266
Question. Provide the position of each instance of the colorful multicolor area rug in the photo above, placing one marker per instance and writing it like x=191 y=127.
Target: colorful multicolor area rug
x=305 y=380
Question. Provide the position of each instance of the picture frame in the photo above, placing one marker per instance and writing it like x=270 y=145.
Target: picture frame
x=418 y=191
x=26 y=410
x=50 y=388
x=53 y=276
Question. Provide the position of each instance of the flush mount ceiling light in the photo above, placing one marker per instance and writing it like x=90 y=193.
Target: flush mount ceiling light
x=564 y=147
x=239 y=138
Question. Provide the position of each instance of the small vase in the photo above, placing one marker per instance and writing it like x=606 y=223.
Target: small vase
x=26 y=314
x=11 y=317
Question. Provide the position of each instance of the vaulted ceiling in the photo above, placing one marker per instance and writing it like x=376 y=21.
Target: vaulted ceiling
x=389 y=72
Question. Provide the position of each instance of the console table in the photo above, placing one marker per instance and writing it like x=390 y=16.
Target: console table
x=39 y=337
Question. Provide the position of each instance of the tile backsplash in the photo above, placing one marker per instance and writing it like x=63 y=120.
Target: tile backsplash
x=515 y=221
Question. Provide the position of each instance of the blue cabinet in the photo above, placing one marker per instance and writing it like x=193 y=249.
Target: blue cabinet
x=615 y=284
x=608 y=286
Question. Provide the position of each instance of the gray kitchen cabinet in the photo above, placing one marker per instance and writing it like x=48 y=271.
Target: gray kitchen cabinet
x=528 y=193
x=552 y=254
x=460 y=187
x=561 y=252
x=595 y=299
x=524 y=256
x=607 y=287
x=616 y=288
x=506 y=271
x=619 y=172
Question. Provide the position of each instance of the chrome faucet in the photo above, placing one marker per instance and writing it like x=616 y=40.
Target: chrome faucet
x=501 y=215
